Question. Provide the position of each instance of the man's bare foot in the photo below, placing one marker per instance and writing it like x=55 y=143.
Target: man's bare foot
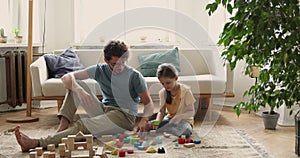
x=63 y=124
x=24 y=141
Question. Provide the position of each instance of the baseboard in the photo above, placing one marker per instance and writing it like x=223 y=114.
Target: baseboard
x=35 y=105
x=224 y=103
x=7 y=108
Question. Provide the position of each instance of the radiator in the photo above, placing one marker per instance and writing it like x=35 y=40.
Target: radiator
x=15 y=67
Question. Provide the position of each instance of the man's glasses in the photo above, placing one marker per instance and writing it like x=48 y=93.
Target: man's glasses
x=117 y=64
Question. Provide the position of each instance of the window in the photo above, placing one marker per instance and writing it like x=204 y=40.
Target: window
x=101 y=20
x=6 y=16
x=91 y=14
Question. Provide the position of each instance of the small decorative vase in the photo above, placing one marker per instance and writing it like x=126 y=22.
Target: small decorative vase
x=254 y=71
x=3 y=39
x=18 y=39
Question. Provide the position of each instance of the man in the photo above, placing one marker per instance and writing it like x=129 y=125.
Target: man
x=122 y=88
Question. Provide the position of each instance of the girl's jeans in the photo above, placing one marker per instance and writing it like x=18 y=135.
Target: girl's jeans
x=182 y=128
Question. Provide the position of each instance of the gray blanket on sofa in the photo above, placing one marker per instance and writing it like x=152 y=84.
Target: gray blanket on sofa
x=58 y=65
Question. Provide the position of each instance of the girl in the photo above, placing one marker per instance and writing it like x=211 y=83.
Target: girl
x=176 y=115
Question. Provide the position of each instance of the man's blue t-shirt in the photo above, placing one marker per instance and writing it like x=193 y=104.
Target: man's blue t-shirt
x=121 y=89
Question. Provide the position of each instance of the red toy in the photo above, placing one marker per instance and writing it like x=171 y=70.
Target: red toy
x=188 y=140
x=120 y=144
x=181 y=140
x=122 y=153
x=121 y=137
x=130 y=151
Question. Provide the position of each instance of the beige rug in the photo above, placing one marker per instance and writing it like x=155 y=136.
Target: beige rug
x=225 y=142
x=220 y=142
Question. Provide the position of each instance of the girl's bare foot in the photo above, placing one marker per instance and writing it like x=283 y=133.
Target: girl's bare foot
x=63 y=124
x=24 y=141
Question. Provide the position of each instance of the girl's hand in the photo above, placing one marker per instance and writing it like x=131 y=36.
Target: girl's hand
x=176 y=119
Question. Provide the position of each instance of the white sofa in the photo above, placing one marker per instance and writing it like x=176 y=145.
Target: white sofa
x=202 y=70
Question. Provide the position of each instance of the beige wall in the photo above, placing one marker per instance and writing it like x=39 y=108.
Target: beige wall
x=67 y=23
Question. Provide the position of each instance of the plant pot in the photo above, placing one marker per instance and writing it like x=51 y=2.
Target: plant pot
x=254 y=72
x=3 y=39
x=270 y=120
x=18 y=39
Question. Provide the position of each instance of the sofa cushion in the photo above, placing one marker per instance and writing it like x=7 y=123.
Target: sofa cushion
x=58 y=65
x=204 y=84
x=55 y=87
x=150 y=62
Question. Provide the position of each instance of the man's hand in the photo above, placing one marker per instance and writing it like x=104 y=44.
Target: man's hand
x=142 y=127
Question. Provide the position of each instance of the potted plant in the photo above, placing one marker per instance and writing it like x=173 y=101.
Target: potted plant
x=3 y=38
x=270 y=118
x=264 y=34
x=18 y=38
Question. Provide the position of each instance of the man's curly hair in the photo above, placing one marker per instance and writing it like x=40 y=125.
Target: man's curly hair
x=117 y=49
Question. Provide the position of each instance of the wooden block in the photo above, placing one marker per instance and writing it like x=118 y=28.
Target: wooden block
x=46 y=154
x=122 y=153
x=61 y=147
x=71 y=140
x=189 y=140
x=115 y=151
x=121 y=137
x=39 y=151
x=100 y=151
x=161 y=150
x=197 y=141
x=181 y=140
x=51 y=147
x=33 y=154
x=126 y=140
x=51 y=155
x=91 y=153
x=151 y=150
x=120 y=144
x=67 y=153
x=130 y=151
x=110 y=145
x=88 y=137
x=145 y=143
x=79 y=135
x=140 y=147
x=71 y=136
x=80 y=144
x=62 y=153
x=89 y=141
x=64 y=140
x=133 y=139
x=189 y=145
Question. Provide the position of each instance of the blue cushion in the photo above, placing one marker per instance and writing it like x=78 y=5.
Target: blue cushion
x=58 y=65
x=150 y=62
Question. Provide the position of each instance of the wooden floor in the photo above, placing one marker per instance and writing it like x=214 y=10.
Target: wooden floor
x=279 y=142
